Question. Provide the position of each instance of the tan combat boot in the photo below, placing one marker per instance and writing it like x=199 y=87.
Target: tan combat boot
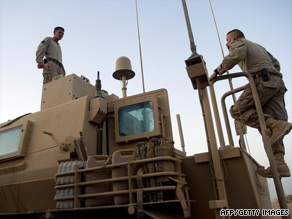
x=282 y=167
x=279 y=129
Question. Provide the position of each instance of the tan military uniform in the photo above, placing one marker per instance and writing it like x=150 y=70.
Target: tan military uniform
x=52 y=51
x=252 y=58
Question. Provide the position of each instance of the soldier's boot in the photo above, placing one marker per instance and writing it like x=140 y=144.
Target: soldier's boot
x=279 y=129
x=282 y=167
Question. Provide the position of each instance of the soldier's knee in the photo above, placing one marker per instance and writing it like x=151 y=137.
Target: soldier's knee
x=235 y=114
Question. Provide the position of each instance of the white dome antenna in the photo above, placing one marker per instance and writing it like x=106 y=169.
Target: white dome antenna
x=123 y=72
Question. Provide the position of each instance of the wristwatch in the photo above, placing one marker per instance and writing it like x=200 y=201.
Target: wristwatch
x=217 y=73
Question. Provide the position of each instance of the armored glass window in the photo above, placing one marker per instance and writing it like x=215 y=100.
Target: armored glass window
x=136 y=119
x=10 y=140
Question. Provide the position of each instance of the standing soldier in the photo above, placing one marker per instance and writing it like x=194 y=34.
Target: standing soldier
x=51 y=50
x=265 y=69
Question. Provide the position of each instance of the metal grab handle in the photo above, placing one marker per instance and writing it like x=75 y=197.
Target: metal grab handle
x=162 y=120
x=54 y=138
x=228 y=129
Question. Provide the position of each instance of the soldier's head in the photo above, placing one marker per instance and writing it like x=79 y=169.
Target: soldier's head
x=233 y=34
x=58 y=33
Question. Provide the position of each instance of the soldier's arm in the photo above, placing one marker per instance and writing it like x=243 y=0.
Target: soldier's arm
x=275 y=62
x=237 y=53
x=41 y=50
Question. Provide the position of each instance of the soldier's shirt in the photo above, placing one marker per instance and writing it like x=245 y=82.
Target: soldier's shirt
x=250 y=57
x=50 y=49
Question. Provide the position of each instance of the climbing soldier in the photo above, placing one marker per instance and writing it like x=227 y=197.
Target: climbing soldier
x=265 y=69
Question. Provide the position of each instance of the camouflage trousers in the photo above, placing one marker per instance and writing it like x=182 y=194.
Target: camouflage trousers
x=271 y=94
x=52 y=71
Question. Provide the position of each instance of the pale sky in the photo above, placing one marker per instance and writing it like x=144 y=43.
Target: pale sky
x=97 y=32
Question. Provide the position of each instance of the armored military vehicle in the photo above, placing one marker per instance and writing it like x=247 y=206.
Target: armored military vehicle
x=88 y=153
x=91 y=154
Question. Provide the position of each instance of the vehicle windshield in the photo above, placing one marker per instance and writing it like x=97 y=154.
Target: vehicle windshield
x=10 y=140
x=136 y=119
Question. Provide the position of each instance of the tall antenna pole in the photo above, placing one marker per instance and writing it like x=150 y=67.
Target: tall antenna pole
x=215 y=163
x=140 y=48
x=230 y=80
x=192 y=42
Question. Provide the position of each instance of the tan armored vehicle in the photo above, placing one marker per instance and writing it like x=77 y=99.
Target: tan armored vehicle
x=88 y=153
x=91 y=154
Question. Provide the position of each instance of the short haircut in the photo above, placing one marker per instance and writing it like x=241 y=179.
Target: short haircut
x=238 y=32
x=58 y=28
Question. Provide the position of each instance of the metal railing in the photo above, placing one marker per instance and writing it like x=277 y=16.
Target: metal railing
x=264 y=132
x=78 y=184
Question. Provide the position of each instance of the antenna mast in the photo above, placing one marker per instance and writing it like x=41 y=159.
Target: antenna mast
x=192 y=42
x=230 y=80
x=199 y=77
x=140 y=48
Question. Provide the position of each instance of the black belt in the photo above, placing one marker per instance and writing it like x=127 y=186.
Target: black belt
x=265 y=74
x=55 y=61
